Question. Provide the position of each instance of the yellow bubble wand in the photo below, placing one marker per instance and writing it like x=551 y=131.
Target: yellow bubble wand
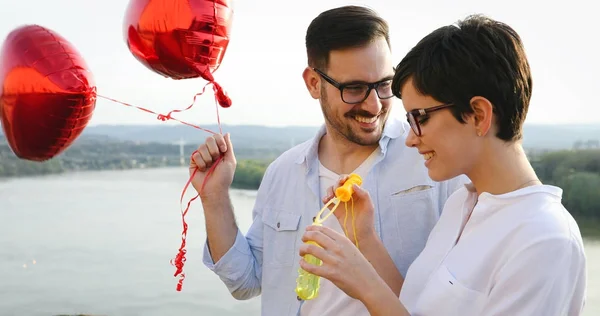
x=307 y=284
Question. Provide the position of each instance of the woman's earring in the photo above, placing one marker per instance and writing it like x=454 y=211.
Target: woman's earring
x=479 y=133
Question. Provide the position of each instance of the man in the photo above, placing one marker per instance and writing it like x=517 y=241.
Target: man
x=349 y=71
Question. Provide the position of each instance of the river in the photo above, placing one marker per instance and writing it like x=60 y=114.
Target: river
x=100 y=243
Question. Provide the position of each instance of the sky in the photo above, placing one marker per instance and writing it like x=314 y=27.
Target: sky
x=262 y=67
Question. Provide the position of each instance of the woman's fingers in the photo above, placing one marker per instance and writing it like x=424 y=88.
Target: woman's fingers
x=328 y=196
x=325 y=231
x=316 y=234
x=318 y=270
x=314 y=250
x=343 y=179
x=333 y=249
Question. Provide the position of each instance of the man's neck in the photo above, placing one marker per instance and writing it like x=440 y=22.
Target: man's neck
x=503 y=168
x=340 y=155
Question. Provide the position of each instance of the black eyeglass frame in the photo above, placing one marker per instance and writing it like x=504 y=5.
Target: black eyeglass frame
x=342 y=86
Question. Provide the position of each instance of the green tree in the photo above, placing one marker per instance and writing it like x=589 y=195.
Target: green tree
x=581 y=193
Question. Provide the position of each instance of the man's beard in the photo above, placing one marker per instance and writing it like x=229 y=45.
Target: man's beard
x=344 y=128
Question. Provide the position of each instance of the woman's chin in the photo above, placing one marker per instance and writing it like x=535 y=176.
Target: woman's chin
x=436 y=174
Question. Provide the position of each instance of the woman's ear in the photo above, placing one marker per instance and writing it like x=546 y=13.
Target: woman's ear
x=483 y=115
x=311 y=81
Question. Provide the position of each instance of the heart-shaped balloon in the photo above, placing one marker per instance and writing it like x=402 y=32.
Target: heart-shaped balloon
x=179 y=39
x=48 y=93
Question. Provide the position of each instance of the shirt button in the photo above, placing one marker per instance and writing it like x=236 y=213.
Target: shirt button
x=278 y=224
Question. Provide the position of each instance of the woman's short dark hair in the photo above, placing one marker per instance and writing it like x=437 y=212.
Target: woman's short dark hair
x=476 y=57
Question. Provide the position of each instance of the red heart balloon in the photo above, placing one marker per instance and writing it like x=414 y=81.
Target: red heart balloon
x=48 y=94
x=179 y=39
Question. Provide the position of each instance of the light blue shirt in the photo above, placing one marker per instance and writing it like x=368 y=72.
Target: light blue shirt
x=266 y=260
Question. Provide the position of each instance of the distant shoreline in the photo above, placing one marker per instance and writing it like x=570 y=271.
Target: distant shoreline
x=589 y=227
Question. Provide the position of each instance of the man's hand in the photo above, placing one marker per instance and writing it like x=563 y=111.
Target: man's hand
x=221 y=177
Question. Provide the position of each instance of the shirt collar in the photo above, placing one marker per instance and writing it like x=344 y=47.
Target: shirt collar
x=392 y=129
x=549 y=189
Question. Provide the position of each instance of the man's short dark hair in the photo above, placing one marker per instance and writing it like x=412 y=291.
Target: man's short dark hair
x=477 y=57
x=342 y=28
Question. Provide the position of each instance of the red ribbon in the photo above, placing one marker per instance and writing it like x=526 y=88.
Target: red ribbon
x=220 y=99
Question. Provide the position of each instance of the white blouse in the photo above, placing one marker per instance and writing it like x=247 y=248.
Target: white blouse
x=520 y=253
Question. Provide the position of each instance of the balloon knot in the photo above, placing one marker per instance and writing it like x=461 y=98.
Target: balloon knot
x=222 y=98
x=163 y=117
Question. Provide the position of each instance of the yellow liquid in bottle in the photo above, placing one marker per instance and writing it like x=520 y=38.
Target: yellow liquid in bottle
x=307 y=284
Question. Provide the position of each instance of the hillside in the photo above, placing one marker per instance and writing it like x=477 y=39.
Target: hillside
x=244 y=136
x=550 y=137
x=536 y=136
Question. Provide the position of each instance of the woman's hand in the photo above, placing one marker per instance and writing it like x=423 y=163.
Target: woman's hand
x=362 y=221
x=343 y=264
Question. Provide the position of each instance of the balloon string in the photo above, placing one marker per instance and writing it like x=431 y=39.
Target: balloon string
x=221 y=99
x=168 y=116
x=217 y=101
x=180 y=259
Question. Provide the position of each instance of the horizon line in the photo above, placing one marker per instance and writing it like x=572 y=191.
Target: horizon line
x=305 y=125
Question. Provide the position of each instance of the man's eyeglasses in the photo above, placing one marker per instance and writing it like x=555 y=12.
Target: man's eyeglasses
x=357 y=92
x=415 y=117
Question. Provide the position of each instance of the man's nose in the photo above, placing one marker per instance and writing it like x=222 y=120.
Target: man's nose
x=372 y=103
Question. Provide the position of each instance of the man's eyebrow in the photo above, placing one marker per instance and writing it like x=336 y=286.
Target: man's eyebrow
x=390 y=77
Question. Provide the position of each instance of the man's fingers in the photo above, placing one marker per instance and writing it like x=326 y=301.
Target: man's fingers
x=197 y=161
x=208 y=161
x=229 y=155
x=213 y=148
x=221 y=142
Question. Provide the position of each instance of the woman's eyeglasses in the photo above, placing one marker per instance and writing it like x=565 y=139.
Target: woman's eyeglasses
x=414 y=117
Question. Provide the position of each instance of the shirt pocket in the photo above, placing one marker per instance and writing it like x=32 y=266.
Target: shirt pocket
x=415 y=211
x=446 y=295
x=280 y=236
x=407 y=223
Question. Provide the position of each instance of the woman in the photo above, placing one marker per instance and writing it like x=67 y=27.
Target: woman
x=504 y=244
